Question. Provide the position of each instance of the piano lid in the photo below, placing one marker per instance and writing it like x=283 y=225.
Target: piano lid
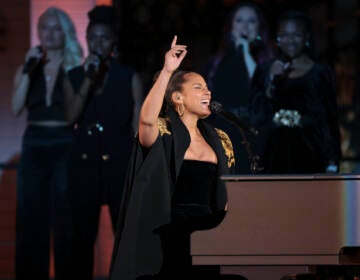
x=291 y=177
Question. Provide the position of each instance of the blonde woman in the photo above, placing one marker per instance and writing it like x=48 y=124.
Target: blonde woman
x=42 y=205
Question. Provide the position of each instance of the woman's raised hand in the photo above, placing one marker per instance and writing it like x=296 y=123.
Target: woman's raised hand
x=174 y=56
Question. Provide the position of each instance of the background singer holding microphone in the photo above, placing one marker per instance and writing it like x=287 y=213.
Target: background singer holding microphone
x=104 y=109
x=229 y=73
x=296 y=104
x=42 y=201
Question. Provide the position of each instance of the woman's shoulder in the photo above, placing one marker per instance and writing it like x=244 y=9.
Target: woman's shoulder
x=323 y=71
x=164 y=126
x=224 y=137
x=227 y=145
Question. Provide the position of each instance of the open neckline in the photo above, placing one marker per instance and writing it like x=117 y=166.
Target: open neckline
x=200 y=161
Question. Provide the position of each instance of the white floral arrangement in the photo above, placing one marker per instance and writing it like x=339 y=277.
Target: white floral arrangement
x=289 y=118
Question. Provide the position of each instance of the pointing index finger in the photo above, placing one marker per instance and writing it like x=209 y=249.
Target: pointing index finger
x=174 y=41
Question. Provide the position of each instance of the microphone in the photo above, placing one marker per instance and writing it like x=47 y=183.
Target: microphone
x=30 y=65
x=97 y=71
x=244 y=36
x=279 y=79
x=33 y=62
x=92 y=71
x=217 y=108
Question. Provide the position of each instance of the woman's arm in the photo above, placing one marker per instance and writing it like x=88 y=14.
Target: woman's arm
x=75 y=103
x=20 y=88
x=150 y=110
x=22 y=79
x=241 y=40
x=249 y=60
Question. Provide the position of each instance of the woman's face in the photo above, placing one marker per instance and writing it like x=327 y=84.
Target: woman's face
x=245 y=24
x=100 y=40
x=196 y=95
x=51 y=35
x=291 y=38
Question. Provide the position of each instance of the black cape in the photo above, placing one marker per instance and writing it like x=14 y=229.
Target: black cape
x=146 y=202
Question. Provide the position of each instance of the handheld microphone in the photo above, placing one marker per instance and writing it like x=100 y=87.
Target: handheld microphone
x=278 y=79
x=245 y=37
x=93 y=69
x=95 y=66
x=217 y=108
x=33 y=61
x=30 y=65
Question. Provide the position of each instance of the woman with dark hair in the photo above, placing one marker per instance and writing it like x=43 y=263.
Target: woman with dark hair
x=229 y=74
x=296 y=104
x=104 y=109
x=42 y=213
x=173 y=185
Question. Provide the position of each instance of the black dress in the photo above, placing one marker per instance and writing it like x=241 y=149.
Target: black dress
x=192 y=202
x=310 y=143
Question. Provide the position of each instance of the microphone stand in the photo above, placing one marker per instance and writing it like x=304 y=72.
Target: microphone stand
x=254 y=159
x=217 y=108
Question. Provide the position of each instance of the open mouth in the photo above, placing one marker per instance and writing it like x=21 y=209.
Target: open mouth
x=205 y=102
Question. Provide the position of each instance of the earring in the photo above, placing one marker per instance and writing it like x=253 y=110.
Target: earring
x=258 y=38
x=180 y=109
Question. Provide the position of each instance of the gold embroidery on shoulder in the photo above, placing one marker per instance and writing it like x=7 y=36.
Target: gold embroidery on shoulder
x=227 y=145
x=162 y=124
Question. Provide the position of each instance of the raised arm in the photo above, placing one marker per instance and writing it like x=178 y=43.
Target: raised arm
x=150 y=110
x=22 y=80
x=20 y=88
x=249 y=60
x=75 y=102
